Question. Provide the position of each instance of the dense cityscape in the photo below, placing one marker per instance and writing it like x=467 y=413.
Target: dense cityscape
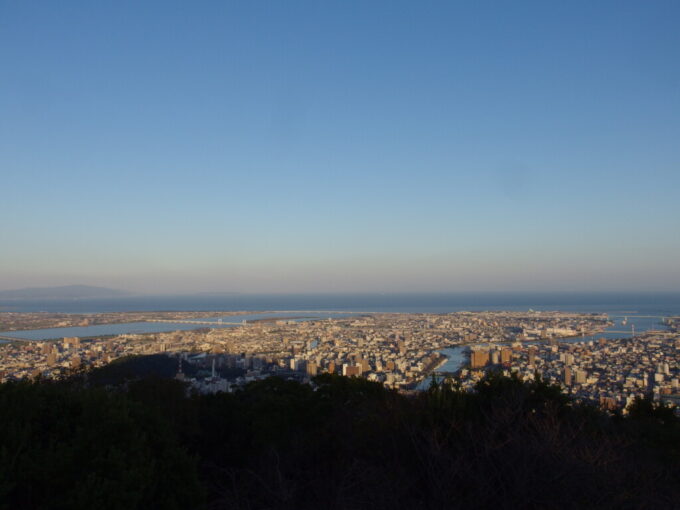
x=400 y=351
x=607 y=372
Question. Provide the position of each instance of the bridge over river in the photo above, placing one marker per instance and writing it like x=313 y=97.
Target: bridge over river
x=634 y=316
x=14 y=339
x=202 y=323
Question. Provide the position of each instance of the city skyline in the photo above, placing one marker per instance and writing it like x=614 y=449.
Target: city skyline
x=383 y=147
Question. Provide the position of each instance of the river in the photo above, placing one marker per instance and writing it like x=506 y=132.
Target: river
x=160 y=327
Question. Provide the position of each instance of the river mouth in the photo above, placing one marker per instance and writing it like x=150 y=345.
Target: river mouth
x=133 y=328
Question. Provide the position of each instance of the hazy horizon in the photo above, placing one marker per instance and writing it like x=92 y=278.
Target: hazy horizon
x=299 y=147
x=461 y=292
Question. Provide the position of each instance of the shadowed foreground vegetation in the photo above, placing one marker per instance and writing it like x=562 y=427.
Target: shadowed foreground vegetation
x=348 y=444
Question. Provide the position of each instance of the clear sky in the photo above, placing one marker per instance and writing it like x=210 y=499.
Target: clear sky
x=340 y=146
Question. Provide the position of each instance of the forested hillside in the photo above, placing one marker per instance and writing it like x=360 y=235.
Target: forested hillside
x=344 y=443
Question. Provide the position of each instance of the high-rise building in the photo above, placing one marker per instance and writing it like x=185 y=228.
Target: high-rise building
x=580 y=376
x=298 y=365
x=365 y=366
x=532 y=355
x=479 y=358
x=353 y=371
x=567 y=376
x=495 y=357
x=71 y=342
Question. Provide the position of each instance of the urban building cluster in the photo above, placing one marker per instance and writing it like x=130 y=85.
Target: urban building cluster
x=607 y=372
x=398 y=350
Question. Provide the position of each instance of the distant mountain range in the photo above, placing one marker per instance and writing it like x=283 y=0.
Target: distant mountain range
x=63 y=292
x=217 y=293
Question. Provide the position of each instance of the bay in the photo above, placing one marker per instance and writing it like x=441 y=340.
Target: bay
x=643 y=310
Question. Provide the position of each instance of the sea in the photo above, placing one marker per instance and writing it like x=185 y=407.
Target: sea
x=642 y=311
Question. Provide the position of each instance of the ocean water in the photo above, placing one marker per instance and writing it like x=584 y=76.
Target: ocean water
x=642 y=303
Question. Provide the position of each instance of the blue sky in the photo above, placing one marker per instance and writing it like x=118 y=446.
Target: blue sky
x=340 y=146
